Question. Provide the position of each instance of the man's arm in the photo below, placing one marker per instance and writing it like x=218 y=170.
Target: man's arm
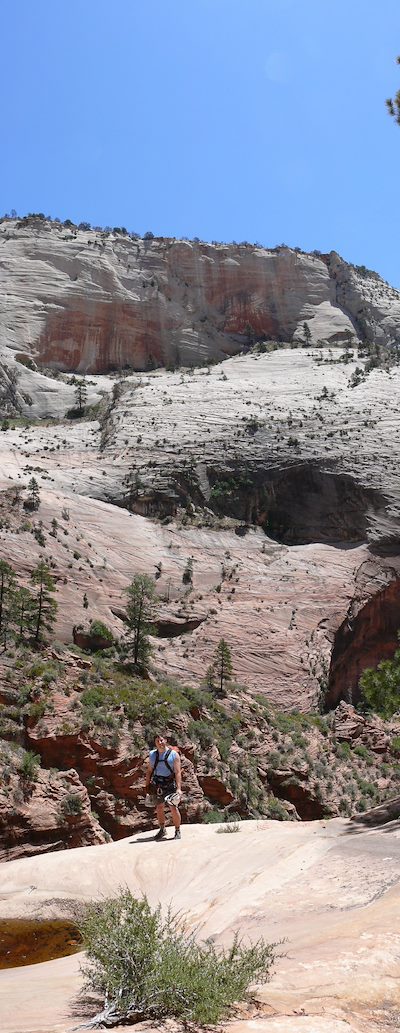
x=178 y=773
x=149 y=772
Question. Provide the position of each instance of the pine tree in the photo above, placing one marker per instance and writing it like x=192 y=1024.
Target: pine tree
x=23 y=612
x=220 y=669
x=45 y=606
x=80 y=396
x=33 y=500
x=307 y=334
x=7 y=589
x=141 y=611
x=393 y=104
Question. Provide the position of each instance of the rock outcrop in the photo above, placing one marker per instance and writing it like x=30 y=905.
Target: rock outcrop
x=238 y=754
x=385 y=814
x=48 y=811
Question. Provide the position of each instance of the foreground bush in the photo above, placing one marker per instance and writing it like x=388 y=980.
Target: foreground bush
x=148 y=965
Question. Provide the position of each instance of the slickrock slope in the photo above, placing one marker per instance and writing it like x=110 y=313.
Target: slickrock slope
x=332 y=893
x=276 y=473
x=297 y=442
x=93 y=301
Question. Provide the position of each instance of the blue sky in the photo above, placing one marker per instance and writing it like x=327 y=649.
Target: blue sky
x=259 y=120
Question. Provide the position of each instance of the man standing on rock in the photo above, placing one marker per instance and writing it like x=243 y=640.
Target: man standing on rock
x=164 y=773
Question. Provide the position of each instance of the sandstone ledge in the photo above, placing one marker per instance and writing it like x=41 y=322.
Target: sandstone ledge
x=333 y=894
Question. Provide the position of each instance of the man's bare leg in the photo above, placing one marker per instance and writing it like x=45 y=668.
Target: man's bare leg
x=176 y=817
x=160 y=811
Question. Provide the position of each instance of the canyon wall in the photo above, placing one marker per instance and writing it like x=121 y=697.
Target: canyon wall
x=95 y=302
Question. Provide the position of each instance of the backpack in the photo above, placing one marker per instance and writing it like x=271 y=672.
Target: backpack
x=162 y=779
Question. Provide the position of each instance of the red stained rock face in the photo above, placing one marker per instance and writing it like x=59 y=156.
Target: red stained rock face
x=102 y=336
x=116 y=779
x=216 y=790
x=363 y=641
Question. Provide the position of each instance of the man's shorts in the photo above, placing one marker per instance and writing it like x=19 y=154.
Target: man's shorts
x=164 y=789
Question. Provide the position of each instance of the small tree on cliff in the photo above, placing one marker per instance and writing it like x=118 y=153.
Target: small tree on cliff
x=380 y=686
x=80 y=396
x=44 y=606
x=307 y=335
x=33 y=499
x=140 y=611
x=220 y=669
x=187 y=576
x=23 y=612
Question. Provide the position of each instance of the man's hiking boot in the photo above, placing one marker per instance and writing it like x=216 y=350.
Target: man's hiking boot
x=177 y=834
x=161 y=834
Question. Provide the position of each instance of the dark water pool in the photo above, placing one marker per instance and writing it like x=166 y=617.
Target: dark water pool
x=26 y=943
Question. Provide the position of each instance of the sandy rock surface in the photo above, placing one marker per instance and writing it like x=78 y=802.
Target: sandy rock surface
x=330 y=890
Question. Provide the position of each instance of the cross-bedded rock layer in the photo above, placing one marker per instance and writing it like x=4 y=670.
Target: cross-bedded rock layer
x=278 y=476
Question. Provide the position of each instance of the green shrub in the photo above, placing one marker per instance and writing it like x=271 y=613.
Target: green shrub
x=367 y=788
x=100 y=630
x=37 y=710
x=29 y=766
x=343 y=750
x=230 y=826
x=214 y=816
x=381 y=686
x=395 y=745
x=149 y=966
x=50 y=674
x=37 y=669
x=203 y=732
x=362 y=751
x=276 y=760
x=276 y=810
x=224 y=743
x=71 y=805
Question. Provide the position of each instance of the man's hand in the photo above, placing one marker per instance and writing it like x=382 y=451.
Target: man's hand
x=173 y=799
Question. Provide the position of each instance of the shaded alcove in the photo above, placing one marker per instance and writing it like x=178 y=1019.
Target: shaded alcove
x=299 y=503
x=313 y=505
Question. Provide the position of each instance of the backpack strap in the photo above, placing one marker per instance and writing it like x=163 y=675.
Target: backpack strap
x=164 y=761
x=171 y=769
